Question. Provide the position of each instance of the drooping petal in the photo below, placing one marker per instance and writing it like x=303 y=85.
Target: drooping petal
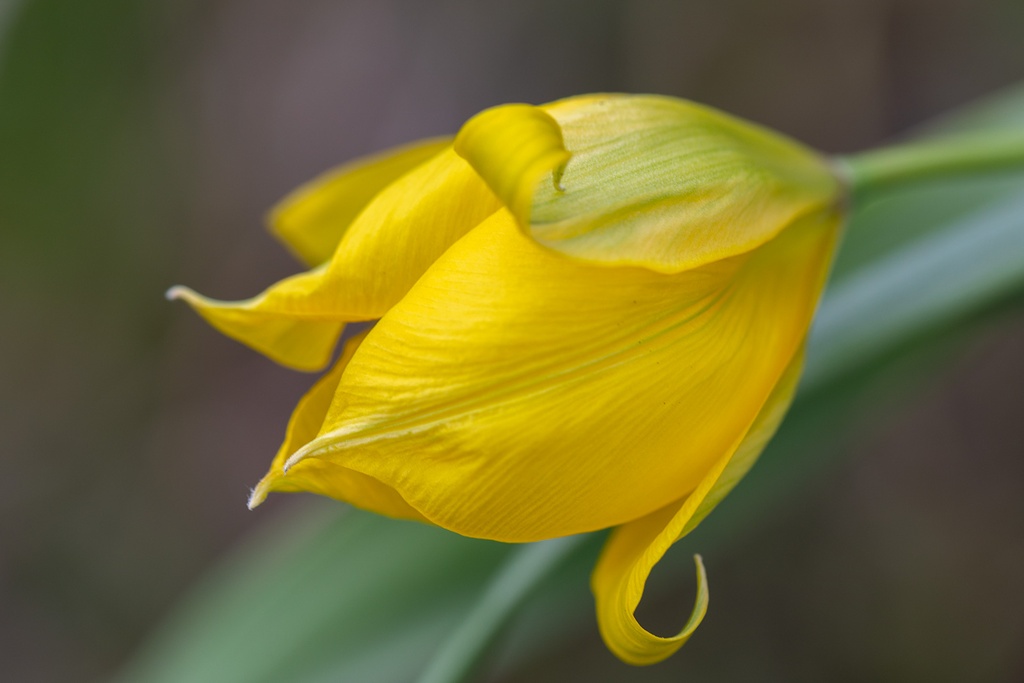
x=273 y=322
x=652 y=181
x=634 y=548
x=312 y=219
x=517 y=395
x=397 y=236
x=312 y=475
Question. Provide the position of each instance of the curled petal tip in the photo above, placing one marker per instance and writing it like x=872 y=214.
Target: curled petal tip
x=556 y=176
x=511 y=147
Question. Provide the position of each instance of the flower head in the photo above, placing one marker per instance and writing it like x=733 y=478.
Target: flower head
x=591 y=314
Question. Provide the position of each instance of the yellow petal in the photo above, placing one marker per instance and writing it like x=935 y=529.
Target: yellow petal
x=273 y=322
x=401 y=231
x=512 y=146
x=517 y=395
x=359 y=489
x=652 y=181
x=634 y=548
x=312 y=219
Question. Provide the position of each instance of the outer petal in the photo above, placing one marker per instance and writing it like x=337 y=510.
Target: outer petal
x=634 y=548
x=389 y=245
x=312 y=219
x=516 y=395
x=652 y=181
x=323 y=477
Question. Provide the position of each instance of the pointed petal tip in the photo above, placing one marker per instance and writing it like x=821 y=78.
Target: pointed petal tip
x=258 y=494
x=188 y=295
x=303 y=344
x=176 y=292
x=700 y=604
x=559 y=171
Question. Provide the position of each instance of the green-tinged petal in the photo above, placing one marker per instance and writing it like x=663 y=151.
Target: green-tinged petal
x=312 y=219
x=397 y=236
x=517 y=395
x=312 y=475
x=634 y=548
x=512 y=147
x=652 y=181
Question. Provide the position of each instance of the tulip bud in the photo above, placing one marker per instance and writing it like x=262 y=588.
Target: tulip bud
x=591 y=315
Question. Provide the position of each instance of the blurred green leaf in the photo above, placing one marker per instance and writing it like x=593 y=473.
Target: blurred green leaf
x=7 y=10
x=328 y=594
x=528 y=565
x=79 y=147
x=934 y=279
x=352 y=597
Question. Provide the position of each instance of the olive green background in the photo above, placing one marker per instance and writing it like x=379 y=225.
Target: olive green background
x=141 y=144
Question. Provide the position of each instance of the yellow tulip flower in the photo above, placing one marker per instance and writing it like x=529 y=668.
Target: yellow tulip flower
x=590 y=314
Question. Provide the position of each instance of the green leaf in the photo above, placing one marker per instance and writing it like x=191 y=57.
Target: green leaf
x=527 y=566
x=8 y=8
x=918 y=287
x=328 y=594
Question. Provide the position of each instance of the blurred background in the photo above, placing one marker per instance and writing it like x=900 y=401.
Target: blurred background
x=142 y=142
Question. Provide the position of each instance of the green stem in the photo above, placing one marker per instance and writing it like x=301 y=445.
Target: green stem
x=957 y=155
x=528 y=566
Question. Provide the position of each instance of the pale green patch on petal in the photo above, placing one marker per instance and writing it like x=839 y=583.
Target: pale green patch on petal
x=650 y=181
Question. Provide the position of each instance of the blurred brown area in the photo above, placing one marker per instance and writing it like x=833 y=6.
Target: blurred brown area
x=141 y=144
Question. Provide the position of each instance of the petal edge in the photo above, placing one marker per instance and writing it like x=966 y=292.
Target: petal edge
x=313 y=218
x=321 y=477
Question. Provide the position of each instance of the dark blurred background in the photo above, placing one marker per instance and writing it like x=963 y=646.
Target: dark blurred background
x=141 y=144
